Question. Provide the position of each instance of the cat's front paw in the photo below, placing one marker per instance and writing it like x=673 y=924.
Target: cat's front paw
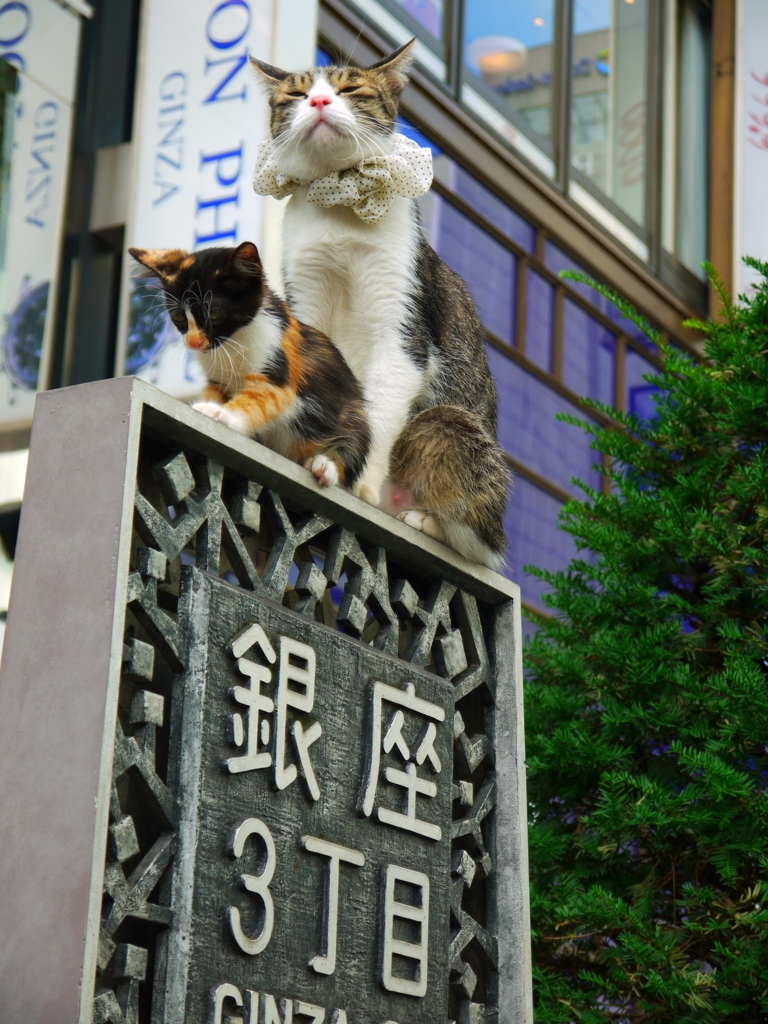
x=234 y=420
x=324 y=469
x=208 y=409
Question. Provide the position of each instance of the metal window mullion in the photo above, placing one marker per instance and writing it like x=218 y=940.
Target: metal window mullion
x=620 y=373
x=541 y=244
x=619 y=391
x=562 y=105
x=654 y=129
x=521 y=305
x=557 y=333
x=454 y=41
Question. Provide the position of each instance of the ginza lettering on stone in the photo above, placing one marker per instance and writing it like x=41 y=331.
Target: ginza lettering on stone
x=394 y=909
x=390 y=739
x=295 y=692
x=417 y=913
x=263 y=1008
x=326 y=963
x=272 y=722
x=258 y=884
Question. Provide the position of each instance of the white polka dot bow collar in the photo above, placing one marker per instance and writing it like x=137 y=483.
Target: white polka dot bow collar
x=368 y=187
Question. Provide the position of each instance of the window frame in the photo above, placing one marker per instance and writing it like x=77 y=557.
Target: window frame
x=689 y=290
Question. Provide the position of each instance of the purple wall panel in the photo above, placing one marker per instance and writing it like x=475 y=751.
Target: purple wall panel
x=539 y=321
x=489 y=270
x=530 y=433
x=639 y=393
x=534 y=538
x=495 y=210
x=556 y=260
x=589 y=354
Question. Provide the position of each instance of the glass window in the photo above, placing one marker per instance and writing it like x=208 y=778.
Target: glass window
x=529 y=431
x=619 y=152
x=508 y=57
x=428 y=14
x=609 y=99
x=686 y=132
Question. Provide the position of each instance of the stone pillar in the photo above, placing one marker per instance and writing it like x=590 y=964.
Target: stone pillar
x=262 y=744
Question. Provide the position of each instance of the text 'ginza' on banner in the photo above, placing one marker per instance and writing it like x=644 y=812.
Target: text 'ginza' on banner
x=198 y=120
x=41 y=39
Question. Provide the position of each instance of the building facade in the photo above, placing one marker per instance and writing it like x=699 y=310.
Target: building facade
x=622 y=138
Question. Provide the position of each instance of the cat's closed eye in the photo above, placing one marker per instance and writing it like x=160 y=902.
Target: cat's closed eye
x=347 y=88
x=297 y=95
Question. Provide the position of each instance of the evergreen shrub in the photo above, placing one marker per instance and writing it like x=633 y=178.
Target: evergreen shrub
x=647 y=706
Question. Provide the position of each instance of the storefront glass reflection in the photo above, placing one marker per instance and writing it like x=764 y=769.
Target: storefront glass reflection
x=427 y=13
x=508 y=55
x=609 y=99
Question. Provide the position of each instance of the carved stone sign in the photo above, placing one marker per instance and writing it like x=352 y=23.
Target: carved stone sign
x=319 y=785
x=262 y=744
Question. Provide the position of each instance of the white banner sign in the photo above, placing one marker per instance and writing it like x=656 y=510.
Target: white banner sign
x=751 y=206
x=198 y=119
x=41 y=39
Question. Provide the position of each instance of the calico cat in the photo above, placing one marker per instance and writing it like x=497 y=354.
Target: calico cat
x=269 y=376
x=357 y=266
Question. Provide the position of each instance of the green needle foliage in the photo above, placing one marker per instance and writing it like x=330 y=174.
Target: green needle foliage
x=647 y=707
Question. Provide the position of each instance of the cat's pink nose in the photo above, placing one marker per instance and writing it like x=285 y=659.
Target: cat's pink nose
x=319 y=101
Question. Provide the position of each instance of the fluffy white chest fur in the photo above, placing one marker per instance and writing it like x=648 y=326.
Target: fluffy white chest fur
x=346 y=275
x=353 y=281
x=246 y=352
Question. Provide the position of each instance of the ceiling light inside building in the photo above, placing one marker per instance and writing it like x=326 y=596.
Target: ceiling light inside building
x=496 y=55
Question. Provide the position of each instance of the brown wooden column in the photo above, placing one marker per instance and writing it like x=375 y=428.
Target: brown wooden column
x=722 y=143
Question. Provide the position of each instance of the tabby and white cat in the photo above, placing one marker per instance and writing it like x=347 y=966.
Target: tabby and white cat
x=358 y=268
x=269 y=376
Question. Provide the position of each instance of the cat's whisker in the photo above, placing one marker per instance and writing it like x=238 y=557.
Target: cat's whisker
x=155 y=305
x=170 y=298
x=233 y=371
x=219 y=355
x=233 y=344
x=372 y=138
x=348 y=56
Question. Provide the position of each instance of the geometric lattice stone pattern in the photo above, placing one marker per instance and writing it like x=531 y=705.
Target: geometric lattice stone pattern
x=262 y=744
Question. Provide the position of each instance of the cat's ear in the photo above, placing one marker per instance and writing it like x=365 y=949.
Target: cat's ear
x=244 y=261
x=160 y=263
x=268 y=73
x=396 y=66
